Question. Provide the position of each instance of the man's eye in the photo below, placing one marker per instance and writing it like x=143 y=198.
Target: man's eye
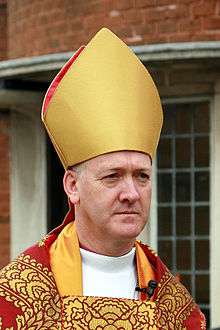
x=111 y=176
x=144 y=176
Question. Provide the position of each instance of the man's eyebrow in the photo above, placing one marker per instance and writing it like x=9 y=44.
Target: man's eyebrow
x=120 y=168
x=109 y=168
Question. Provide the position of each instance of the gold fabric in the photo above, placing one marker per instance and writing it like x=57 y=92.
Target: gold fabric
x=108 y=313
x=65 y=255
x=29 y=285
x=107 y=101
x=145 y=272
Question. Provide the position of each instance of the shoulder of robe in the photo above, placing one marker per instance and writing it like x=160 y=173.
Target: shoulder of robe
x=176 y=309
x=28 y=293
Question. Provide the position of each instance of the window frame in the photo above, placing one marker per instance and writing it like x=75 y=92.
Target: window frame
x=214 y=214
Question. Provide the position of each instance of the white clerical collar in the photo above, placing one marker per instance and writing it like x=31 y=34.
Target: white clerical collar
x=107 y=263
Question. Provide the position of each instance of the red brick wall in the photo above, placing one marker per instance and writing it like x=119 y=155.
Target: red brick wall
x=40 y=27
x=3 y=29
x=4 y=189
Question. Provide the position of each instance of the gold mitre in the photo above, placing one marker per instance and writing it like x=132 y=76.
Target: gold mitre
x=102 y=100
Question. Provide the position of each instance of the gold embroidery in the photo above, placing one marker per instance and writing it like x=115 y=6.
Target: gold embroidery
x=42 y=241
x=30 y=286
x=174 y=303
x=99 y=313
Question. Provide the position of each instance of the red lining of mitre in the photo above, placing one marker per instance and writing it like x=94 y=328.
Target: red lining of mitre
x=58 y=78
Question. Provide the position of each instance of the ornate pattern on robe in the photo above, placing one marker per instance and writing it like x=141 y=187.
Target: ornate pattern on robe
x=29 y=299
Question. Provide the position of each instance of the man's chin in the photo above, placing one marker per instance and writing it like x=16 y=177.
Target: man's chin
x=130 y=219
x=128 y=232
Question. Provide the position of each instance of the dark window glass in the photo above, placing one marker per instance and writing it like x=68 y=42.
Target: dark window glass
x=183 y=120
x=165 y=252
x=164 y=188
x=202 y=186
x=164 y=159
x=183 y=152
x=168 y=122
x=183 y=193
x=202 y=288
x=201 y=151
x=165 y=221
x=183 y=254
x=183 y=221
x=202 y=254
x=202 y=220
x=201 y=118
x=187 y=281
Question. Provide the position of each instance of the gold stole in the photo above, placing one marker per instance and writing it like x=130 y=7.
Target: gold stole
x=93 y=312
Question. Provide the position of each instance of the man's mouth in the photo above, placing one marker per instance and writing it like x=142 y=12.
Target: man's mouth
x=127 y=212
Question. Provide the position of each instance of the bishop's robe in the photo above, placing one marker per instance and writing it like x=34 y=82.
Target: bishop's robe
x=30 y=295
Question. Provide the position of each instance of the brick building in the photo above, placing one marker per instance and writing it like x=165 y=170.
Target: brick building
x=179 y=42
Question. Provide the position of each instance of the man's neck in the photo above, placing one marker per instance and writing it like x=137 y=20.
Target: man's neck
x=111 y=251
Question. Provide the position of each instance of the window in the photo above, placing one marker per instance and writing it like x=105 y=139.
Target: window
x=183 y=188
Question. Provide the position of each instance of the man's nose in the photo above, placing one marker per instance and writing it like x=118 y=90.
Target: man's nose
x=129 y=192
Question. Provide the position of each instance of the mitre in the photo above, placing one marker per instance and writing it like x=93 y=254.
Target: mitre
x=102 y=100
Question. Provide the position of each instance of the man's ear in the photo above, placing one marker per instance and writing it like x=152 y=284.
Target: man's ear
x=69 y=184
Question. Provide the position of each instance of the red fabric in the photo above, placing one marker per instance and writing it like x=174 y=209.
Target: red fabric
x=7 y=310
x=194 y=322
x=39 y=261
x=58 y=78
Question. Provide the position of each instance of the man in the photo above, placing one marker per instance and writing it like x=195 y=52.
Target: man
x=103 y=115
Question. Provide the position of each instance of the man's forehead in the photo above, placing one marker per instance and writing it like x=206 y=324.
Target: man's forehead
x=120 y=158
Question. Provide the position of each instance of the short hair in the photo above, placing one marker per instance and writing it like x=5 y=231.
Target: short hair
x=78 y=168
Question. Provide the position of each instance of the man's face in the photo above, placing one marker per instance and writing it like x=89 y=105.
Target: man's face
x=114 y=194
